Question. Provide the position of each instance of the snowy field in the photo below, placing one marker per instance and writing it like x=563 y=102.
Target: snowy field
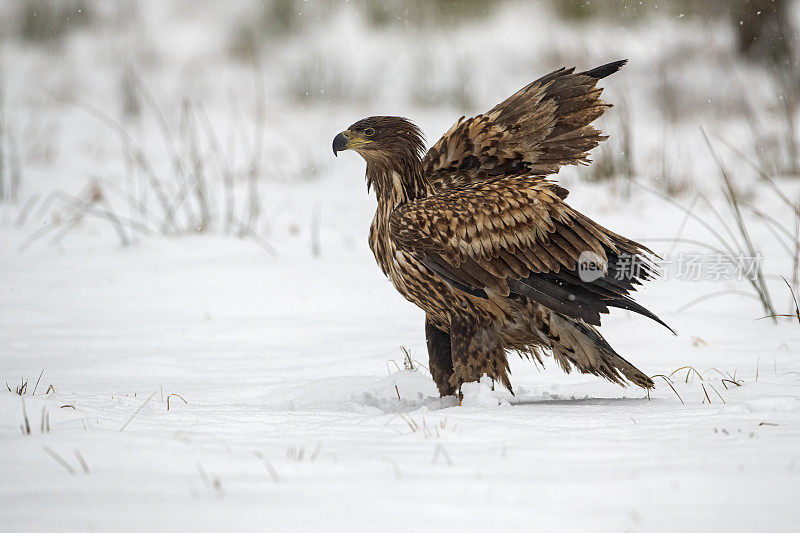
x=243 y=367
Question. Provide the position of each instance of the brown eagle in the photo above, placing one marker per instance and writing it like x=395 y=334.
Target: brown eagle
x=475 y=234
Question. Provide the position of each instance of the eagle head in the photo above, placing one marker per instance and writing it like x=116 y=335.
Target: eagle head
x=382 y=139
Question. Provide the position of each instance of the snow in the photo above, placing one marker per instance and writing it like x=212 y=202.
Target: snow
x=205 y=383
x=293 y=420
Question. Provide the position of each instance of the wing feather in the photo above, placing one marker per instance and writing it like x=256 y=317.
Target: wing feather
x=537 y=130
x=516 y=237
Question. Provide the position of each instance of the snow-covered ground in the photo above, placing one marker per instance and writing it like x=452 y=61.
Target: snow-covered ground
x=207 y=382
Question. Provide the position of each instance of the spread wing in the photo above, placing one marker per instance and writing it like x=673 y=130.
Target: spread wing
x=515 y=236
x=538 y=129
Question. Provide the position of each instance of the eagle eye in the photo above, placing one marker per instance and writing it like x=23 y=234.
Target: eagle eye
x=369 y=132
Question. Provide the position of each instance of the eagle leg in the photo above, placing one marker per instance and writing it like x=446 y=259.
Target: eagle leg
x=476 y=350
x=440 y=358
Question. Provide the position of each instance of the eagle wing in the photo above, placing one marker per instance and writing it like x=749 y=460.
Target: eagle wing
x=516 y=236
x=538 y=129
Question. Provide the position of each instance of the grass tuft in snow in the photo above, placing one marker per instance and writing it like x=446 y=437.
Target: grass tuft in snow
x=22 y=388
x=198 y=194
x=731 y=196
x=25 y=425
x=706 y=383
x=408 y=363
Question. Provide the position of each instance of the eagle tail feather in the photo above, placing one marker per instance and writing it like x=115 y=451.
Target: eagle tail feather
x=578 y=345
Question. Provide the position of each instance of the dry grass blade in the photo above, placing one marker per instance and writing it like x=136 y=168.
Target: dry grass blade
x=724 y=381
x=388 y=368
x=718 y=371
x=692 y=215
x=439 y=450
x=60 y=460
x=758 y=361
x=163 y=126
x=137 y=412
x=757 y=281
x=773 y=225
x=199 y=185
x=227 y=173
x=761 y=174
x=78 y=206
x=689 y=370
x=25 y=210
x=779 y=315
x=411 y=422
x=26 y=425
x=21 y=390
x=794 y=299
x=254 y=203
x=202 y=473
x=246 y=231
x=713 y=295
x=315 y=453
x=718 y=394
x=684 y=222
x=316 y=239
x=669 y=382
x=37 y=382
x=706 y=393
x=84 y=466
x=272 y=472
x=109 y=214
x=734 y=240
x=177 y=395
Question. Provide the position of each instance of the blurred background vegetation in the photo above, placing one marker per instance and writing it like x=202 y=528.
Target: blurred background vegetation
x=763 y=27
x=200 y=92
x=182 y=117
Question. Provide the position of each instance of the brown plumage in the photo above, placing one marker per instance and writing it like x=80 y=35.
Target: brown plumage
x=475 y=234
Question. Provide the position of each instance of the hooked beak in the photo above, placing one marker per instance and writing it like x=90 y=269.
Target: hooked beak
x=341 y=142
x=349 y=140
